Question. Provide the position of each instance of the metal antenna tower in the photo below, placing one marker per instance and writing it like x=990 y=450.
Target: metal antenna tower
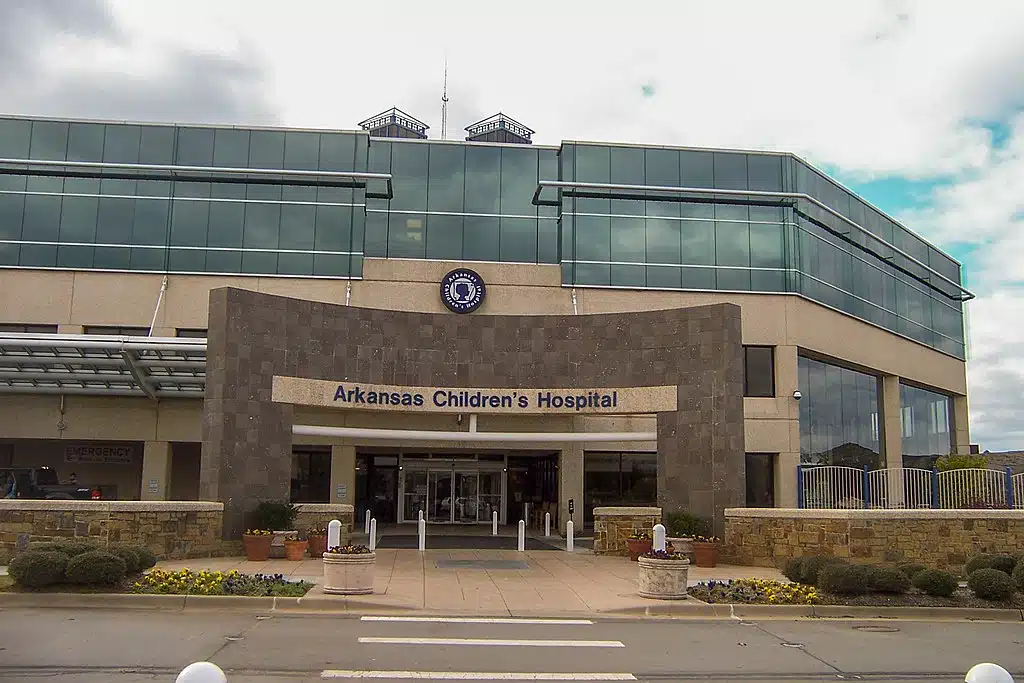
x=444 y=103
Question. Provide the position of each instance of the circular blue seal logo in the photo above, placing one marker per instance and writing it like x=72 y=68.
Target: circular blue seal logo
x=462 y=290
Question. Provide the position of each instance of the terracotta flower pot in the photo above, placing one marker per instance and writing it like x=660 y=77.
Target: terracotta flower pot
x=317 y=545
x=705 y=554
x=638 y=547
x=257 y=548
x=295 y=550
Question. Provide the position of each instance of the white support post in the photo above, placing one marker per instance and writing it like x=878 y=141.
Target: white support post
x=547 y=524
x=521 y=545
x=659 y=537
x=494 y=523
x=201 y=672
x=526 y=511
x=421 y=515
x=373 y=534
x=334 y=533
x=422 y=533
x=366 y=522
x=570 y=543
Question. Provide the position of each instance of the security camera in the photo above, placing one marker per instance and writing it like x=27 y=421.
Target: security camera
x=797 y=395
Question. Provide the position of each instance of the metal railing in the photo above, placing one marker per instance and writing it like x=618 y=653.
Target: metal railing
x=841 y=487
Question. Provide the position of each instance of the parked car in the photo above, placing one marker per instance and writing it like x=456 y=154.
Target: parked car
x=41 y=483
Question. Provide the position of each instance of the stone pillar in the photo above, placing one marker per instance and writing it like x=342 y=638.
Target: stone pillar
x=156 y=471
x=787 y=380
x=891 y=436
x=570 y=485
x=961 y=426
x=343 y=476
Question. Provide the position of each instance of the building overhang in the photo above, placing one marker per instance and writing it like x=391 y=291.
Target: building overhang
x=95 y=365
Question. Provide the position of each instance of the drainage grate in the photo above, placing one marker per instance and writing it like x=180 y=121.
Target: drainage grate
x=481 y=564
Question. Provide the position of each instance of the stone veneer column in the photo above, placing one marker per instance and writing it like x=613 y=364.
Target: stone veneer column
x=570 y=485
x=343 y=473
x=156 y=467
x=961 y=428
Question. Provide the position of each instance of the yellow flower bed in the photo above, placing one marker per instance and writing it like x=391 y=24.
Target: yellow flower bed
x=758 y=591
x=184 y=581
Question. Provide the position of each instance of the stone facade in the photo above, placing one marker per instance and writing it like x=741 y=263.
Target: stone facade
x=613 y=525
x=247 y=438
x=320 y=515
x=172 y=530
x=942 y=539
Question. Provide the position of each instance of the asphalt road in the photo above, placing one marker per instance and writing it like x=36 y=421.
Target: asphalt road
x=130 y=646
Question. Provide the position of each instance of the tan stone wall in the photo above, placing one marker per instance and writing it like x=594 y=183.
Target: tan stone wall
x=171 y=530
x=613 y=525
x=320 y=514
x=943 y=539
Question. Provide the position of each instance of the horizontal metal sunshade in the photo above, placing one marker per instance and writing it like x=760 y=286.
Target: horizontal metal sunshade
x=95 y=365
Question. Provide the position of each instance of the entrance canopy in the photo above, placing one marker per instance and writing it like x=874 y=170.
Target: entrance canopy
x=99 y=365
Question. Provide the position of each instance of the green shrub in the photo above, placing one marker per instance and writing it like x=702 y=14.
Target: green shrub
x=130 y=555
x=810 y=571
x=935 y=582
x=35 y=568
x=147 y=560
x=889 y=580
x=794 y=569
x=276 y=516
x=1004 y=563
x=686 y=525
x=991 y=584
x=95 y=567
x=911 y=569
x=954 y=461
x=845 y=579
x=1018 y=576
x=70 y=546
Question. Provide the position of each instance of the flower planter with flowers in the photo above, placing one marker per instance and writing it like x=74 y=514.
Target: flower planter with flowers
x=257 y=544
x=279 y=517
x=705 y=551
x=295 y=549
x=349 y=570
x=317 y=537
x=682 y=528
x=637 y=543
x=663 y=575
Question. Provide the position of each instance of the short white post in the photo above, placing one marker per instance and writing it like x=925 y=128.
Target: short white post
x=526 y=510
x=421 y=515
x=547 y=524
x=521 y=546
x=334 y=534
x=373 y=534
x=366 y=522
x=570 y=543
x=494 y=523
x=201 y=672
x=659 y=537
x=423 y=534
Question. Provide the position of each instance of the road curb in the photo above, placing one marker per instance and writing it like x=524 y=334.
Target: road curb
x=92 y=600
x=919 y=613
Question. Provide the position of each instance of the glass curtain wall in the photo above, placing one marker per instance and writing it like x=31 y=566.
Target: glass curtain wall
x=839 y=423
x=926 y=419
x=618 y=479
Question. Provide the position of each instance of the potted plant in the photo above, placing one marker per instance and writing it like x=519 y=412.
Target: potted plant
x=279 y=517
x=257 y=544
x=349 y=570
x=295 y=548
x=681 y=528
x=663 y=575
x=705 y=551
x=317 y=537
x=638 y=542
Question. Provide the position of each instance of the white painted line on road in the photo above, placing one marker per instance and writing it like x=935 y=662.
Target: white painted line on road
x=492 y=641
x=477 y=676
x=483 y=620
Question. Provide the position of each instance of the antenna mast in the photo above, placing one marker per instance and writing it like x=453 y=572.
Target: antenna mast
x=444 y=103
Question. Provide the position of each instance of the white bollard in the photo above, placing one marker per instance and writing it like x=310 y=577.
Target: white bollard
x=526 y=510
x=547 y=524
x=521 y=546
x=570 y=543
x=494 y=523
x=366 y=522
x=988 y=673
x=334 y=533
x=201 y=672
x=373 y=534
x=423 y=534
x=421 y=515
x=659 y=537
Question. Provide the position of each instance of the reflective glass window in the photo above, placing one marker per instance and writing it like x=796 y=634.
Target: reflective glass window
x=15 y=138
x=593 y=165
x=337 y=152
x=266 y=149
x=593 y=238
x=156 y=145
x=262 y=226
x=42 y=218
x=547 y=241
x=518 y=240
x=481 y=238
x=518 y=181
x=85 y=141
x=49 y=140
x=696 y=169
x=613 y=479
x=409 y=168
x=446 y=185
x=927 y=426
x=764 y=172
x=444 y=237
x=227 y=220
x=121 y=143
x=231 y=148
x=301 y=150
x=730 y=171
x=483 y=179
x=839 y=409
x=759 y=371
x=189 y=223
x=195 y=146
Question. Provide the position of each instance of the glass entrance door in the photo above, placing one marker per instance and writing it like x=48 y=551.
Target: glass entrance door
x=439 y=496
x=447 y=492
x=467 y=501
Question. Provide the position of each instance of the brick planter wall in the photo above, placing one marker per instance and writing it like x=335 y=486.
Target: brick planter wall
x=613 y=525
x=171 y=529
x=942 y=539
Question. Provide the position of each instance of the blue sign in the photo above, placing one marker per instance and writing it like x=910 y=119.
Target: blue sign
x=462 y=290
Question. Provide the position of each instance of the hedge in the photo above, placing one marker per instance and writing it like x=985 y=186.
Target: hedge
x=95 y=567
x=36 y=568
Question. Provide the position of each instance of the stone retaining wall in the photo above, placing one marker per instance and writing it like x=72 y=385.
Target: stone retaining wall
x=171 y=529
x=320 y=514
x=613 y=525
x=943 y=539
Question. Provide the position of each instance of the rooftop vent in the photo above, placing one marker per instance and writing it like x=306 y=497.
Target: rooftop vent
x=395 y=123
x=499 y=128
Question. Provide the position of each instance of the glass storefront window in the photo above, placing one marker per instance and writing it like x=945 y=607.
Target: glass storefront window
x=839 y=416
x=927 y=426
x=618 y=479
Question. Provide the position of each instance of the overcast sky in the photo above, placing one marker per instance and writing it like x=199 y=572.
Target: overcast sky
x=917 y=104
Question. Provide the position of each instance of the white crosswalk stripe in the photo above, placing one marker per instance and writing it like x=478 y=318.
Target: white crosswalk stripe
x=476 y=676
x=491 y=642
x=482 y=620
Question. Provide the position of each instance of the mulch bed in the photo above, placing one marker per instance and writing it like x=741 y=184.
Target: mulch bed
x=962 y=598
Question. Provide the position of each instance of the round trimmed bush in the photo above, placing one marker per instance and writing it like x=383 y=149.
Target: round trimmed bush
x=1018 y=576
x=95 y=567
x=794 y=569
x=935 y=582
x=147 y=560
x=845 y=579
x=991 y=584
x=889 y=580
x=810 y=572
x=979 y=561
x=1004 y=563
x=911 y=569
x=35 y=568
x=70 y=547
x=130 y=555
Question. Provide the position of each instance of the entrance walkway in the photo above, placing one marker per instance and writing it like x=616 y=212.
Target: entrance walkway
x=464 y=537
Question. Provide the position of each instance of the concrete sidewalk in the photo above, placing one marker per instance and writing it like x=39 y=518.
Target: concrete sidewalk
x=554 y=582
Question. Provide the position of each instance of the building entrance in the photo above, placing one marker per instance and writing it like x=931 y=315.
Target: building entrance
x=465 y=489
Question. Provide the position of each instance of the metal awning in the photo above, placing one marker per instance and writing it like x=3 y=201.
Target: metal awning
x=96 y=365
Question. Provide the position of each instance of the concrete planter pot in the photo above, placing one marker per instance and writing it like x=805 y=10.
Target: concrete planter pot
x=662 y=579
x=682 y=545
x=257 y=548
x=349 y=574
x=294 y=549
x=277 y=546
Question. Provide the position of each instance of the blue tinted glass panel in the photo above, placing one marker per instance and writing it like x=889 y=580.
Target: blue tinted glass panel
x=85 y=141
x=839 y=416
x=266 y=149
x=156 y=145
x=15 y=138
x=409 y=168
x=444 y=237
x=518 y=240
x=302 y=151
x=447 y=178
x=518 y=181
x=231 y=148
x=121 y=143
x=481 y=238
x=49 y=140
x=483 y=179
x=195 y=146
